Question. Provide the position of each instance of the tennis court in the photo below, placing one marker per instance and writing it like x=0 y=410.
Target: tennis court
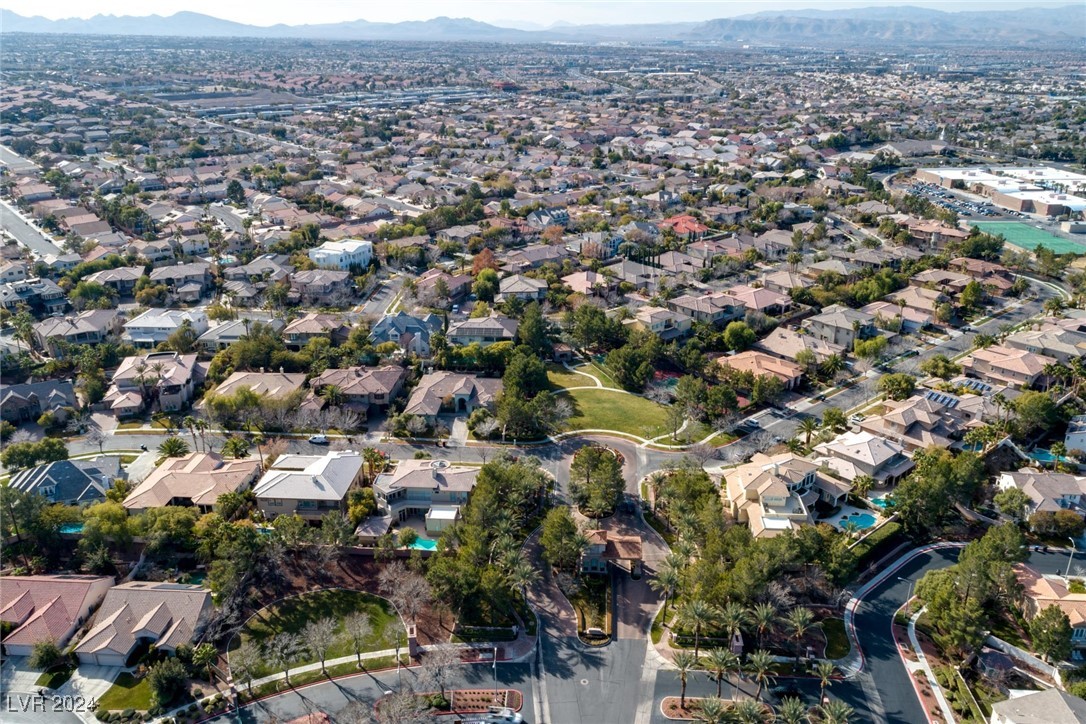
x=1029 y=237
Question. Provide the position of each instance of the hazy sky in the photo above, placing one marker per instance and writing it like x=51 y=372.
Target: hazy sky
x=512 y=13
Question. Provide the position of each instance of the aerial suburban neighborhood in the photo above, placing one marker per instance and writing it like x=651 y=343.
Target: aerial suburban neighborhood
x=719 y=371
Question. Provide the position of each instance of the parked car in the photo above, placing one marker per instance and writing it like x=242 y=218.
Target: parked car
x=856 y=418
x=320 y=439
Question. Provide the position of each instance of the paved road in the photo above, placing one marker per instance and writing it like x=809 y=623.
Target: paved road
x=15 y=162
x=24 y=233
x=332 y=696
x=382 y=297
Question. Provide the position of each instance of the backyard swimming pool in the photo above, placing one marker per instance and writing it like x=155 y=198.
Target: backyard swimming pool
x=881 y=502
x=861 y=521
x=1043 y=456
x=425 y=544
x=71 y=528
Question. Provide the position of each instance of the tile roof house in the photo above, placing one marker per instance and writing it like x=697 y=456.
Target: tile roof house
x=1004 y=365
x=168 y=378
x=197 y=479
x=1048 y=491
x=483 y=331
x=412 y=334
x=363 y=387
x=457 y=285
x=308 y=485
x=432 y=489
x=787 y=343
x=1051 y=341
x=154 y=326
x=664 y=323
x=463 y=393
x=321 y=287
x=762 y=300
x=521 y=287
x=93 y=326
x=26 y=402
x=42 y=296
x=70 y=482
x=298 y=332
x=762 y=364
x=164 y=614
x=1050 y=706
x=225 y=334
x=854 y=454
x=841 y=325
x=713 y=308
x=922 y=421
x=588 y=282
x=47 y=608
x=275 y=385
x=1040 y=591
x=605 y=547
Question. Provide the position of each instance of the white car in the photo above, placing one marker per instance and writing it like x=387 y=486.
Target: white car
x=856 y=418
x=320 y=439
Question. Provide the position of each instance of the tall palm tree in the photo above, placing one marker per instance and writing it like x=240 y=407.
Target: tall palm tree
x=792 y=710
x=732 y=619
x=799 y=620
x=1059 y=452
x=665 y=582
x=332 y=394
x=720 y=662
x=760 y=667
x=202 y=427
x=824 y=670
x=372 y=456
x=521 y=575
x=698 y=615
x=713 y=710
x=763 y=617
x=189 y=422
x=808 y=426
x=835 y=712
x=684 y=664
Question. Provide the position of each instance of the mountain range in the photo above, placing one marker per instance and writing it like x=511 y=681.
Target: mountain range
x=827 y=28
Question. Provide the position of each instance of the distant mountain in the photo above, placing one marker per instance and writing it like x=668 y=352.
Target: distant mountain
x=827 y=28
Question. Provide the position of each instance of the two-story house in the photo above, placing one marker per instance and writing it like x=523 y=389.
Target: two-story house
x=26 y=402
x=714 y=308
x=841 y=325
x=483 y=331
x=363 y=388
x=93 y=326
x=431 y=489
x=521 y=287
x=344 y=254
x=186 y=282
x=299 y=331
x=410 y=333
x=664 y=323
x=771 y=494
x=308 y=485
x=41 y=296
x=321 y=287
x=1048 y=492
x=122 y=279
x=999 y=364
x=153 y=327
x=854 y=454
x=161 y=380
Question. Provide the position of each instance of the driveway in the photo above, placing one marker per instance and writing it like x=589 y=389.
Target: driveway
x=20 y=702
x=89 y=682
x=142 y=466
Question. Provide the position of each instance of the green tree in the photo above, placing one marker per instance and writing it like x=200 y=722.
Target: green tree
x=204 y=657
x=166 y=680
x=972 y=296
x=1012 y=502
x=45 y=655
x=698 y=615
x=939 y=366
x=739 y=336
x=834 y=420
x=760 y=668
x=1034 y=411
x=1050 y=631
x=595 y=480
x=236 y=447
x=563 y=543
x=634 y=363
x=173 y=447
x=897 y=386
x=533 y=331
x=235 y=192
x=486 y=285
x=685 y=662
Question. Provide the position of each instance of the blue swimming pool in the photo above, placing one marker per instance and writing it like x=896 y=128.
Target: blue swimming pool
x=1043 y=456
x=71 y=528
x=425 y=544
x=882 y=502
x=860 y=521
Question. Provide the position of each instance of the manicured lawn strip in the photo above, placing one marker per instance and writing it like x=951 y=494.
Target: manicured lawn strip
x=609 y=410
x=837 y=644
x=293 y=614
x=590 y=602
x=483 y=635
x=127 y=692
x=601 y=372
x=308 y=677
x=561 y=378
x=54 y=679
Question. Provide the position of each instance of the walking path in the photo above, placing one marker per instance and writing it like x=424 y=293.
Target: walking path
x=922 y=665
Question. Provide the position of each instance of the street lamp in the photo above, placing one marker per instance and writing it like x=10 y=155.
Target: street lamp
x=1071 y=558
x=910 y=581
x=495 y=674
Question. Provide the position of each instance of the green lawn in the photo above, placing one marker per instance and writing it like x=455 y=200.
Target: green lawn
x=561 y=378
x=127 y=692
x=55 y=679
x=610 y=410
x=601 y=372
x=293 y=614
x=837 y=644
x=308 y=677
x=592 y=603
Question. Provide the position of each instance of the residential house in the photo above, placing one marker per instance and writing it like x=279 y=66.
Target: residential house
x=451 y=392
x=70 y=482
x=153 y=327
x=638 y=276
x=532 y=257
x=841 y=325
x=595 y=244
x=27 y=402
x=785 y=281
x=789 y=344
x=41 y=296
x=1050 y=340
x=363 y=387
x=943 y=280
x=761 y=364
x=760 y=299
x=996 y=278
x=225 y=334
x=542 y=218
x=664 y=323
x=1004 y=365
x=411 y=334
x=684 y=226
x=521 y=287
x=165 y=380
x=12 y=271
x=1048 y=706
x=321 y=287
x=166 y=615
x=889 y=314
x=275 y=385
x=926 y=301
x=853 y=454
x=431 y=489
x=1048 y=492
x=186 y=282
x=93 y=326
x=607 y=547
x=927 y=419
x=195 y=480
x=1039 y=592
x=122 y=279
x=715 y=308
x=776 y=494
x=483 y=331
x=47 y=608
x=589 y=283
x=429 y=286
x=354 y=254
x=298 y=332
x=1075 y=438
x=308 y=485
x=264 y=268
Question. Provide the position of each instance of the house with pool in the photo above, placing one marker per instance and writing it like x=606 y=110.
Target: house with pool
x=432 y=490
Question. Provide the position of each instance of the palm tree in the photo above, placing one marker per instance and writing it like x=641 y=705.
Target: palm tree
x=824 y=670
x=521 y=575
x=834 y=712
x=732 y=619
x=236 y=447
x=760 y=667
x=792 y=710
x=173 y=447
x=204 y=656
x=808 y=426
x=713 y=710
x=800 y=620
x=719 y=662
x=665 y=582
x=794 y=259
x=698 y=615
x=189 y=422
x=750 y=712
x=1059 y=451
x=763 y=617
x=861 y=486
x=684 y=663
x=372 y=456
x=202 y=426
x=832 y=365
x=332 y=394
